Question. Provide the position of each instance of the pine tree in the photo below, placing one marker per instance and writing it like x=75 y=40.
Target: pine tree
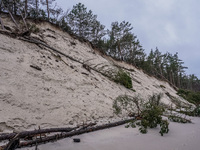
x=119 y=35
x=79 y=20
x=48 y=4
x=34 y=8
x=84 y=24
x=97 y=32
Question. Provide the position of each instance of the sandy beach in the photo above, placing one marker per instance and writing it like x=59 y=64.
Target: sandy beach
x=180 y=137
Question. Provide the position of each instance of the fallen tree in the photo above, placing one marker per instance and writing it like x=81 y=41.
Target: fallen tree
x=34 y=132
x=35 y=41
x=65 y=132
x=73 y=133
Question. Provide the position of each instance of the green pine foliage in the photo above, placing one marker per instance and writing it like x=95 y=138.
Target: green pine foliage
x=123 y=78
x=150 y=113
x=178 y=119
x=84 y=24
x=152 y=116
x=191 y=96
x=195 y=112
x=164 y=127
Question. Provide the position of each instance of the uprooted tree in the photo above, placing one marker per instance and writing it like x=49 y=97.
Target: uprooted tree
x=149 y=114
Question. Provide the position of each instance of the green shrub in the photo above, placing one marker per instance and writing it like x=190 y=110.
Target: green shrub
x=131 y=124
x=123 y=78
x=190 y=96
x=162 y=86
x=151 y=114
x=34 y=28
x=164 y=127
x=194 y=113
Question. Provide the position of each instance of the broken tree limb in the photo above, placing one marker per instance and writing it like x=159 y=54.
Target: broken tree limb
x=35 y=132
x=76 y=132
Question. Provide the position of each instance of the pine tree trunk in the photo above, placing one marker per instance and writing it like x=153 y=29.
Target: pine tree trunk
x=0 y=5
x=179 y=82
x=36 y=7
x=119 y=50
x=25 y=7
x=15 y=7
x=47 y=2
x=2 y=25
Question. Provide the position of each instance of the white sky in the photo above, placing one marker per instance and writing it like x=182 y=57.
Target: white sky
x=171 y=25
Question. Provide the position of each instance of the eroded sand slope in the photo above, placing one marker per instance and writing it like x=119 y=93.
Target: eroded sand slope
x=63 y=93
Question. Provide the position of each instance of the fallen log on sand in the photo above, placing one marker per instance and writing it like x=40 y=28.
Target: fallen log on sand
x=65 y=132
x=76 y=132
x=34 y=132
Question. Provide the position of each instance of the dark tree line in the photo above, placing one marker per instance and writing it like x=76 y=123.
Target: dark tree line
x=118 y=42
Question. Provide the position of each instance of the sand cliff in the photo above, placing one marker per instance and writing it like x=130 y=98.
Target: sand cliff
x=63 y=92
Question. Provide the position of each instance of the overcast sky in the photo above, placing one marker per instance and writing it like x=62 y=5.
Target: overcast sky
x=171 y=25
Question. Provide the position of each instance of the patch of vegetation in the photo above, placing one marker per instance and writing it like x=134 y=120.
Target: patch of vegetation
x=34 y=29
x=133 y=90
x=190 y=96
x=177 y=102
x=126 y=102
x=131 y=124
x=178 y=119
x=123 y=78
x=149 y=115
x=152 y=116
x=195 y=112
x=162 y=86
